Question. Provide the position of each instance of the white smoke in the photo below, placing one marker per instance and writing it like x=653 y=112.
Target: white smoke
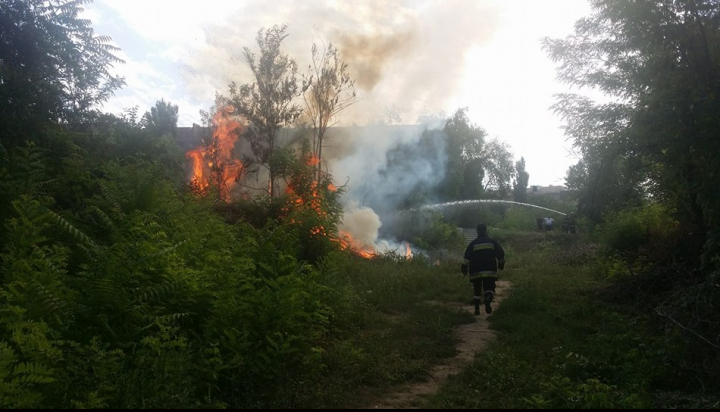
x=408 y=54
x=382 y=167
x=362 y=223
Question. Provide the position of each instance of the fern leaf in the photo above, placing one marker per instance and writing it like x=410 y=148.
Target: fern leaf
x=157 y=293
x=165 y=319
x=110 y=198
x=75 y=232
x=102 y=39
x=32 y=369
x=166 y=251
x=85 y=251
x=57 y=307
x=104 y=218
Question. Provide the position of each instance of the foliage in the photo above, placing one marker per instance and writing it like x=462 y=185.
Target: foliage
x=455 y=163
x=658 y=61
x=616 y=357
x=116 y=270
x=521 y=181
x=518 y=218
x=465 y=170
x=639 y=231
x=52 y=67
x=438 y=233
x=142 y=297
x=327 y=90
x=499 y=170
x=162 y=118
x=313 y=208
x=267 y=103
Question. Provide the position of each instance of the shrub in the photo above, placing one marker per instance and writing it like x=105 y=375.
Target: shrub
x=642 y=229
x=438 y=234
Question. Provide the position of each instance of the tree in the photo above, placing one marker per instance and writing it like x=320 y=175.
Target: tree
x=603 y=184
x=498 y=165
x=268 y=102
x=521 y=181
x=162 y=119
x=473 y=165
x=473 y=176
x=660 y=62
x=327 y=91
x=464 y=172
x=53 y=68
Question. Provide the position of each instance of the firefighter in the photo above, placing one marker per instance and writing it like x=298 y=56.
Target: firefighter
x=540 y=223
x=483 y=257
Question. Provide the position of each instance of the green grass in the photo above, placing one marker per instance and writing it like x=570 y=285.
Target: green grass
x=561 y=347
x=386 y=332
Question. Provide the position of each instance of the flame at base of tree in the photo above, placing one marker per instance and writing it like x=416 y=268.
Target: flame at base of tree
x=198 y=181
x=304 y=192
x=214 y=164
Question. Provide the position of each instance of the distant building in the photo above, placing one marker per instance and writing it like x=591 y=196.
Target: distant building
x=547 y=190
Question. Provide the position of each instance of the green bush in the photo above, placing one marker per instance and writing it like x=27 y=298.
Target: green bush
x=631 y=230
x=155 y=297
x=438 y=234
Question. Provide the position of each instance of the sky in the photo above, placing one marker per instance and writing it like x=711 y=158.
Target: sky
x=415 y=56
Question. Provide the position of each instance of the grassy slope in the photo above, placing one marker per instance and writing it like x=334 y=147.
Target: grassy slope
x=561 y=346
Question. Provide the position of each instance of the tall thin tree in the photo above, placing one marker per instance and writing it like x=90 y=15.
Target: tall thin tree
x=268 y=102
x=327 y=89
x=521 y=181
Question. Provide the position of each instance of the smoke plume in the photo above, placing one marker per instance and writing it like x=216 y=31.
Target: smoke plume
x=408 y=54
x=369 y=55
x=363 y=223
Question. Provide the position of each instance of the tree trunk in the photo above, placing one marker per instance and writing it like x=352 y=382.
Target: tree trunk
x=319 y=157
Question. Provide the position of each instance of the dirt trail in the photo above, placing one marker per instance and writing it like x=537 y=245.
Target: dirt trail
x=472 y=338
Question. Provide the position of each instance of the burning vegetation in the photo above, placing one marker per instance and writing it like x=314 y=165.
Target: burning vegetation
x=307 y=201
x=214 y=164
x=247 y=125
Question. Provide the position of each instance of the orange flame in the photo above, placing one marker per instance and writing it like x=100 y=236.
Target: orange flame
x=408 y=252
x=309 y=195
x=313 y=160
x=347 y=242
x=199 y=180
x=221 y=168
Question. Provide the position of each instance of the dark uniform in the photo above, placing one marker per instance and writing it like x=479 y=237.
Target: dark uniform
x=483 y=257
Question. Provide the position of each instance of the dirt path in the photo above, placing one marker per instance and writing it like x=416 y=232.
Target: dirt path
x=472 y=338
